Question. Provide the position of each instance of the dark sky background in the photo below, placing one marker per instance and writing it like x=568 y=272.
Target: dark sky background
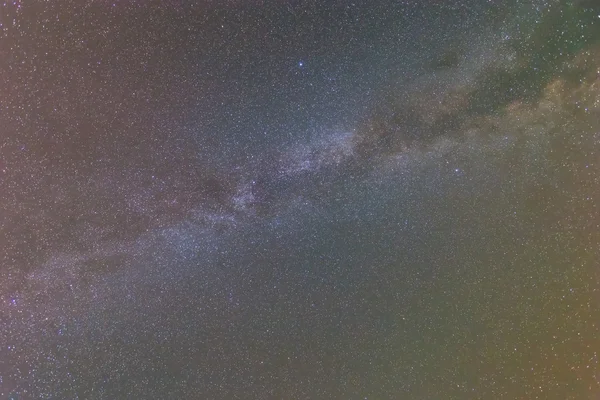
x=300 y=199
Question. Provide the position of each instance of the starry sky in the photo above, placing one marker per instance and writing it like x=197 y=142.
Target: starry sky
x=288 y=199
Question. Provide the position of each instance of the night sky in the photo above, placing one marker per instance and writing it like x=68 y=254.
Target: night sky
x=288 y=199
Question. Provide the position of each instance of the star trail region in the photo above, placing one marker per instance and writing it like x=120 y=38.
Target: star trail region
x=299 y=200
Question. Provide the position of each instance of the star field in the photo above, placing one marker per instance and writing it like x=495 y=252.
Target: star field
x=300 y=200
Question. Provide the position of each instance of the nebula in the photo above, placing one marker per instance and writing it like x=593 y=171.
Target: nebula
x=299 y=200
